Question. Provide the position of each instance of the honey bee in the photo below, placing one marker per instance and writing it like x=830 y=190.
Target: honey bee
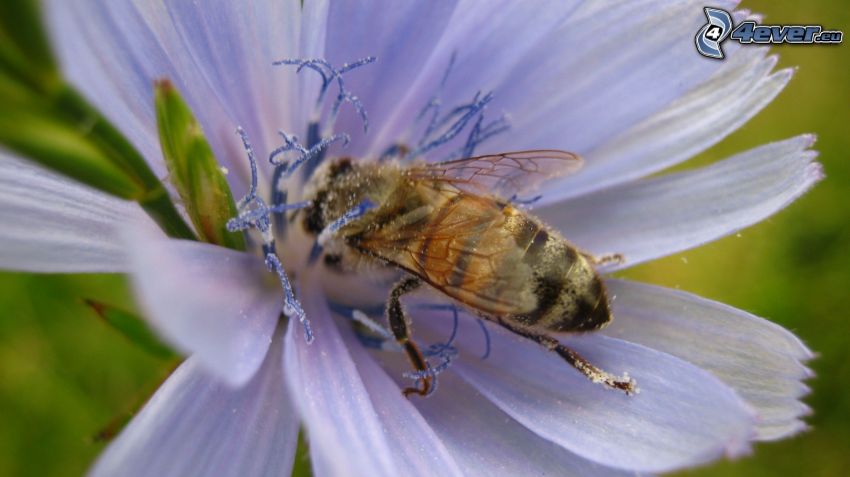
x=450 y=226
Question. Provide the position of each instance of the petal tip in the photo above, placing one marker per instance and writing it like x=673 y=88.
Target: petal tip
x=815 y=172
x=737 y=449
x=810 y=139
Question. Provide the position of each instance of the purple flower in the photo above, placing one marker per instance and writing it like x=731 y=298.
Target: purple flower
x=620 y=85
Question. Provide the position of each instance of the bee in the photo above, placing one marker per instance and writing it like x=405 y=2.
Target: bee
x=449 y=225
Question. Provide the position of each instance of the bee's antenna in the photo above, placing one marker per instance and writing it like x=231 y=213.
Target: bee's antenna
x=352 y=214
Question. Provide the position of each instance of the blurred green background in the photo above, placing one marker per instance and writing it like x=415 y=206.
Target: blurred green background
x=64 y=374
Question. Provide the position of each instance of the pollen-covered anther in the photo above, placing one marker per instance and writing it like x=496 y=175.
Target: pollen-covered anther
x=291 y=144
x=441 y=129
x=254 y=213
x=329 y=74
x=291 y=307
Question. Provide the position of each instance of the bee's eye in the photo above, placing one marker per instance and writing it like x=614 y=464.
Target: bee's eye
x=313 y=219
x=341 y=167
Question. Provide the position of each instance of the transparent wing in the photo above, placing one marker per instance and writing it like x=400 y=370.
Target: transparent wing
x=462 y=250
x=506 y=175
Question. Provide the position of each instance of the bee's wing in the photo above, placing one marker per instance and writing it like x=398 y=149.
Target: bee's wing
x=460 y=250
x=507 y=174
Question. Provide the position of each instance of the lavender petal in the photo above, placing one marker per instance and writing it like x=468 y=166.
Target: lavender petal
x=56 y=225
x=195 y=425
x=656 y=217
x=762 y=361
x=212 y=302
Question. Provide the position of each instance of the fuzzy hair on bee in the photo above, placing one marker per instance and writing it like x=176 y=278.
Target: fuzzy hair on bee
x=449 y=226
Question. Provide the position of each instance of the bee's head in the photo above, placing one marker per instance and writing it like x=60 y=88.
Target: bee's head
x=325 y=193
x=339 y=169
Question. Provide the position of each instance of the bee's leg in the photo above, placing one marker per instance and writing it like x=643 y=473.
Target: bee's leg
x=401 y=332
x=599 y=260
x=624 y=383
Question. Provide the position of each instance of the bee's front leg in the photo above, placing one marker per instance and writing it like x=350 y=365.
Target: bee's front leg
x=401 y=331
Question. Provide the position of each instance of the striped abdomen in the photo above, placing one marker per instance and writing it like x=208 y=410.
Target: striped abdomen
x=570 y=295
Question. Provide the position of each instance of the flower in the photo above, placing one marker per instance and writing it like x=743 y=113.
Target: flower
x=713 y=378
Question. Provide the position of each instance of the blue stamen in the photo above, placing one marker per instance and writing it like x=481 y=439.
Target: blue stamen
x=291 y=305
x=290 y=143
x=447 y=355
x=252 y=192
x=246 y=218
x=315 y=252
x=451 y=124
x=449 y=68
x=279 y=196
x=329 y=74
x=435 y=348
x=313 y=138
x=279 y=208
x=396 y=150
x=356 y=103
x=310 y=157
x=445 y=351
x=480 y=133
x=249 y=218
x=254 y=213
x=486 y=339
x=362 y=318
x=347 y=310
x=433 y=105
x=316 y=65
x=455 y=325
x=514 y=199
x=383 y=341
x=442 y=129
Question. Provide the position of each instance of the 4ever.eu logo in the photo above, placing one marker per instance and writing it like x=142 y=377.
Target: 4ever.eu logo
x=720 y=28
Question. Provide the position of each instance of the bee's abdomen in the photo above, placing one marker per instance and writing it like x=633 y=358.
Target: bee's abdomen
x=570 y=295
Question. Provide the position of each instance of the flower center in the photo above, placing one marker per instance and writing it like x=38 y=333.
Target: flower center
x=439 y=130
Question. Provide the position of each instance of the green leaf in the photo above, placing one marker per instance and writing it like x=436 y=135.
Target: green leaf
x=46 y=120
x=24 y=49
x=62 y=148
x=133 y=328
x=194 y=170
